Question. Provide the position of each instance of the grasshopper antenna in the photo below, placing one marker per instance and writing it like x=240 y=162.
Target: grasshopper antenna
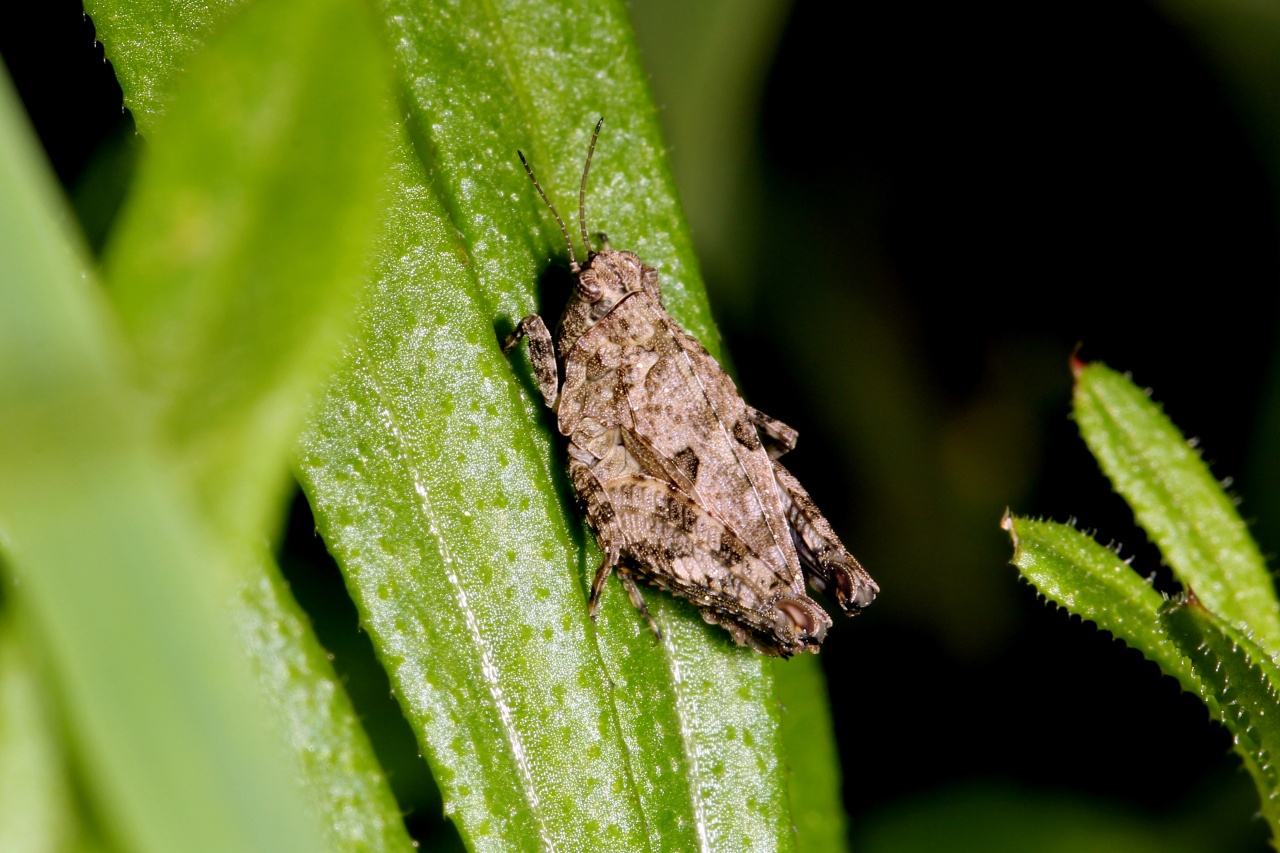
x=573 y=262
x=582 y=190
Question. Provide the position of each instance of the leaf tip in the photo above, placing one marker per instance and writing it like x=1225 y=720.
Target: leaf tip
x=1007 y=525
x=1076 y=363
x=1187 y=599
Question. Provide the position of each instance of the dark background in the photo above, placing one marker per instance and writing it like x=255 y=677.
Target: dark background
x=938 y=203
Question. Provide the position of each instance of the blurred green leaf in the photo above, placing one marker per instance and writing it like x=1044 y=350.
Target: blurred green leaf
x=1177 y=501
x=127 y=585
x=343 y=778
x=236 y=267
x=37 y=814
x=1073 y=571
x=979 y=819
x=1242 y=680
x=1240 y=38
x=100 y=190
x=237 y=261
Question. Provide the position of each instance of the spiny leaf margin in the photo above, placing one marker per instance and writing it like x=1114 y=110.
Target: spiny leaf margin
x=1176 y=499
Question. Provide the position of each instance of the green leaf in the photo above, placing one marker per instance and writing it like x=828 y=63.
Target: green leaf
x=100 y=190
x=436 y=485
x=1073 y=571
x=343 y=778
x=236 y=267
x=149 y=45
x=1242 y=679
x=431 y=490
x=1177 y=501
x=127 y=585
x=813 y=770
x=36 y=808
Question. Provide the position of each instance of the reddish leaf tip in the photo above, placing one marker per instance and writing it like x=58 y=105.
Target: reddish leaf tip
x=1076 y=362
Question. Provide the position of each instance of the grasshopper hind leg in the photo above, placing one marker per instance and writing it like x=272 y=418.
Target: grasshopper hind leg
x=827 y=565
x=779 y=438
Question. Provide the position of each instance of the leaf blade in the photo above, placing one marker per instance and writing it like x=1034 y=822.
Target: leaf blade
x=1242 y=680
x=36 y=807
x=439 y=561
x=1177 y=501
x=1075 y=572
x=813 y=773
x=556 y=71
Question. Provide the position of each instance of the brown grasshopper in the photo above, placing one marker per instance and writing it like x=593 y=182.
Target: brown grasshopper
x=680 y=490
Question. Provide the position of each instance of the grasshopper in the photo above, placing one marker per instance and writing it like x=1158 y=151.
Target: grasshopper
x=680 y=477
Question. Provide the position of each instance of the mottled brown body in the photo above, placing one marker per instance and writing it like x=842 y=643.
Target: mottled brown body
x=680 y=490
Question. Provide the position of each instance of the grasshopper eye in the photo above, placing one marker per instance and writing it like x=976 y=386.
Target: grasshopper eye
x=588 y=287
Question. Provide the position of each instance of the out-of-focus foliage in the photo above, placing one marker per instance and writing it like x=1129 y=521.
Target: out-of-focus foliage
x=235 y=268
x=989 y=819
x=125 y=581
x=36 y=808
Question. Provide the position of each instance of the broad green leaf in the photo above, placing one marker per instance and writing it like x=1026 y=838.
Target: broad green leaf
x=1242 y=679
x=431 y=491
x=150 y=43
x=1177 y=501
x=436 y=485
x=1073 y=571
x=126 y=584
x=235 y=267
